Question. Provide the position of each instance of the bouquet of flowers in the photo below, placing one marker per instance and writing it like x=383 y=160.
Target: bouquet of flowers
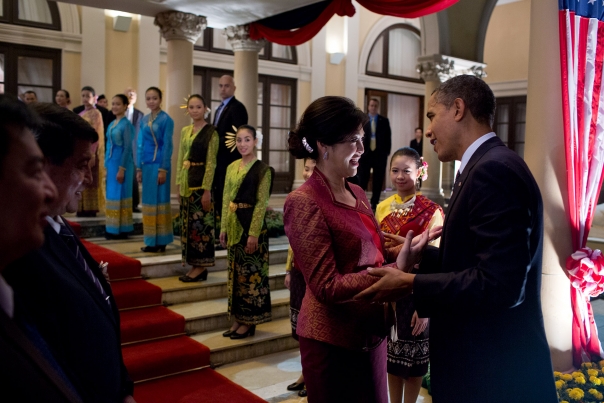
x=585 y=385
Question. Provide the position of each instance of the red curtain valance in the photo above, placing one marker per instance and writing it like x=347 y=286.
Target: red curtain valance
x=396 y=8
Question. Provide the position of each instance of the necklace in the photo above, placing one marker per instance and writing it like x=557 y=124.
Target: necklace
x=402 y=209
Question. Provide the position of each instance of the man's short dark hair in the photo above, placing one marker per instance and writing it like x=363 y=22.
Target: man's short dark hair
x=88 y=88
x=14 y=118
x=59 y=130
x=475 y=93
x=375 y=100
x=31 y=92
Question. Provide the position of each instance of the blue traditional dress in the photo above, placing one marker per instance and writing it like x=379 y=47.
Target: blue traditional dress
x=153 y=155
x=118 y=156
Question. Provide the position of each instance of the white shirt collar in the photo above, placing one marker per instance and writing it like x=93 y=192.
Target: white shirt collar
x=7 y=303
x=226 y=101
x=55 y=223
x=472 y=149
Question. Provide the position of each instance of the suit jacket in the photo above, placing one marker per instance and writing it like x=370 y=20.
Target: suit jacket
x=137 y=116
x=487 y=339
x=80 y=328
x=25 y=375
x=383 y=138
x=333 y=248
x=108 y=116
x=233 y=114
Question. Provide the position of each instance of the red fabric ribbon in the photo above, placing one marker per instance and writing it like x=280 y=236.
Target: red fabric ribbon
x=344 y=8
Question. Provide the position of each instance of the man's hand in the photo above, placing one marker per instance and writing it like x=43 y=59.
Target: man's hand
x=410 y=254
x=392 y=240
x=129 y=399
x=393 y=285
x=206 y=200
x=418 y=324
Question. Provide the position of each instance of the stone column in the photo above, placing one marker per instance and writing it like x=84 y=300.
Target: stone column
x=181 y=31
x=434 y=70
x=545 y=156
x=246 y=68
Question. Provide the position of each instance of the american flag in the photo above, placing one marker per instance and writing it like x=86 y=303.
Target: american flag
x=581 y=55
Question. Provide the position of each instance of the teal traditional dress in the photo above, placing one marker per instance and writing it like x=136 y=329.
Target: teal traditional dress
x=118 y=156
x=154 y=152
x=195 y=175
x=245 y=199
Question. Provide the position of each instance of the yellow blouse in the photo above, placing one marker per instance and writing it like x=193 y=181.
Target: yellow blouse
x=182 y=175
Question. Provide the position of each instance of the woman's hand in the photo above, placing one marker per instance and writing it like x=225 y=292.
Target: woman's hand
x=410 y=254
x=223 y=239
x=206 y=200
x=161 y=177
x=418 y=324
x=139 y=176
x=120 y=176
x=287 y=280
x=252 y=244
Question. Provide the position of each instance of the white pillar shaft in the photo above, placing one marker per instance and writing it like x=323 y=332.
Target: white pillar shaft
x=544 y=155
x=319 y=58
x=432 y=187
x=93 y=49
x=246 y=81
x=148 y=59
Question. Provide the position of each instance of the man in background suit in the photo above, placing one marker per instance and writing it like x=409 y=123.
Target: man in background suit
x=417 y=143
x=481 y=290
x=134 y=116
x=377 y=143
x=28 y=371
x=63 y=289
x=229 y=113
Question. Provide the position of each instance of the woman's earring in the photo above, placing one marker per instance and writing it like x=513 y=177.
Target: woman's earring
x=325 y=155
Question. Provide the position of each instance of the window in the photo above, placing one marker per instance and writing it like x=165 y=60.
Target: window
x=33 y=13
x=394 y=54
x=510 y=122
x=212 y=40
x=25 y=68
x=276 y=116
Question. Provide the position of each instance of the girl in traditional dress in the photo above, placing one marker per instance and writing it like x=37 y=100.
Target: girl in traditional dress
x=120 y=172
x=295 y=283
x=408 y=356
x=62 y=98
x=243 y=231
x=153 y=166
x=93 y=197
x=194 y=177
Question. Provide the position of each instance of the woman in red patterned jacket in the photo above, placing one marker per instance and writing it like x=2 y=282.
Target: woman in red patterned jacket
x=335 y=238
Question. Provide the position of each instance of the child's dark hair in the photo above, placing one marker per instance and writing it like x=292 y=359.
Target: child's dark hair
x=248 y=127
x=407 y=152
x=195 y=96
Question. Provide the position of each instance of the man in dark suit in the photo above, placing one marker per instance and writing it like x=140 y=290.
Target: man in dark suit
x=134 y=116
x=377 y=143
x=63 y=289
x=229 y=113
x=481 y=290
x=108 y=117
x=28 y=371
x=417 y=143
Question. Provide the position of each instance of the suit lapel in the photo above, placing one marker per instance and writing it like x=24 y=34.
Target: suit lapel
x=68 y=261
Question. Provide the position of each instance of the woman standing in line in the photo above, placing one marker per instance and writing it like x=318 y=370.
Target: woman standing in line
x=153 y=166
x=62 y=98
x=93 y=197
x=408 y=356
x=120 y=172
x=243 y=232
x=194 y=177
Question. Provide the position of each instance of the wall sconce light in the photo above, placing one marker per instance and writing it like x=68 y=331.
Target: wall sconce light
x=336 y=57
x=122 y=23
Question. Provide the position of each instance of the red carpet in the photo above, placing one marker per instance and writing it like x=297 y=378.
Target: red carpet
x=161 y=355
x=203 y=386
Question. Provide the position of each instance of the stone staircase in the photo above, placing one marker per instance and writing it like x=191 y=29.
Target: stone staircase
x=204 y=304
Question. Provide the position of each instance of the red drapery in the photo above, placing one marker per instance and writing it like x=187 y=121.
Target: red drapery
x=397 y=8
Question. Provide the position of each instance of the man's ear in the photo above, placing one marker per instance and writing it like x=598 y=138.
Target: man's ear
x=460 y=109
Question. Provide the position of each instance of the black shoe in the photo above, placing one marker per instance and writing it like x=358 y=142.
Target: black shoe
x=136 y=210
x=111 y=237
x=250 y=332
x=228 y=333
x=296 y=386
x=203 y=276
x=154 y=249
x=302 y=393
x=218 y=247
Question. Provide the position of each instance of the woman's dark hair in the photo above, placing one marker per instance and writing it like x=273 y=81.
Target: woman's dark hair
x=407 y=152
x=195 y=96
x=328 y=120
x=102 y=96
x=88 y=88
x=248 y=127
x=123 y=97
x=156 y=90
x=66 y=93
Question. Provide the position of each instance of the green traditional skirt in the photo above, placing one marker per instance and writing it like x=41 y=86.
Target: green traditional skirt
x=197 y=231
x=248 y=288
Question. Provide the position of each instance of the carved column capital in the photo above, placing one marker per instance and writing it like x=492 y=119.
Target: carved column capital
x=441 y=68
x=178 y=25
x=239 y=38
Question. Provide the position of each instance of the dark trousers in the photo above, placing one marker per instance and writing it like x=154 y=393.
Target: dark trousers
x=372 y=159
x=135 y=194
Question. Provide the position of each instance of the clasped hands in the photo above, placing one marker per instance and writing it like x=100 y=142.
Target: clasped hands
x=396 y=283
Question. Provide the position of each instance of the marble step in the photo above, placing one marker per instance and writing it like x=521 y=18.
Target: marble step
x=177 y=292
x=271 y=337
x=93 y=227
x=211 y=315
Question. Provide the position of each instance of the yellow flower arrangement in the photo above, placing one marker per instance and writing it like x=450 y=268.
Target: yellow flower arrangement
x=585 y=385
x=592 y=372
x=560 y=383
x=576 y=394
x=587 y=365
x=567 y=377
x=595 y=380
